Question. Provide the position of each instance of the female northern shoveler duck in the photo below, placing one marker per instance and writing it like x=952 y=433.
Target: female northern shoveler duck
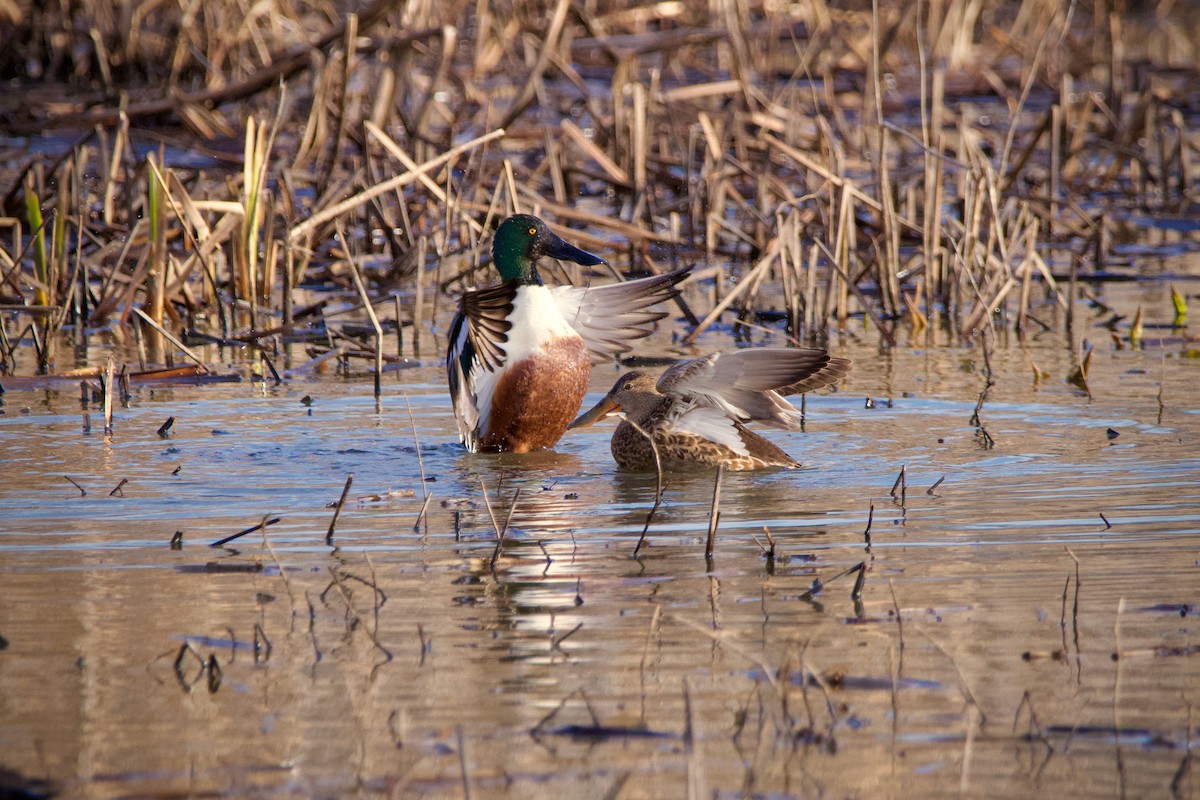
x=520 y=352
x=696 y=411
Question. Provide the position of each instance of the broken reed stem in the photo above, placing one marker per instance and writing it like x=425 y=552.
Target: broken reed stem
x=867 y=532
x=857 y=591
x=337 y=511
x=366 y=300
x=714 y=513
x=901 y=484
x=82 y=491
x=171 y=338
x=108 y=392
x=769 y=552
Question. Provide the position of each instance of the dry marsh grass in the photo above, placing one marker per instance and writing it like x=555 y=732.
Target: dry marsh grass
x=946 y=165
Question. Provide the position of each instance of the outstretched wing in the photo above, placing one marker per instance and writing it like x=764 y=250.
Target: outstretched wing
x=486 y=312
x=611 y=317
x=477 y=337
x=749 y=384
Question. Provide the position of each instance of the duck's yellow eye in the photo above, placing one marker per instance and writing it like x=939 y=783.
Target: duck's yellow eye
x=532 y=231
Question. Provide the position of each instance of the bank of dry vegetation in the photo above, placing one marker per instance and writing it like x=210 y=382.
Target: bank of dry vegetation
x=178 y=169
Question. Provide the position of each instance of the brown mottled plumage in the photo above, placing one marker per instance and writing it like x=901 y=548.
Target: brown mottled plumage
x=695 y=412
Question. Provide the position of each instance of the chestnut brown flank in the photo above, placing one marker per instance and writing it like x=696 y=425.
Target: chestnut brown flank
x=536 y=398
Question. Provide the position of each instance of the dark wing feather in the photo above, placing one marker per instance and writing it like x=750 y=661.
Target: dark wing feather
x=486 y=312
x=459 y=357
x=831 y=372
x=477 y=337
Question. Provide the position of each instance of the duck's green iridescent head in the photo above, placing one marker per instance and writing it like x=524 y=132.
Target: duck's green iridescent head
x=522 y=239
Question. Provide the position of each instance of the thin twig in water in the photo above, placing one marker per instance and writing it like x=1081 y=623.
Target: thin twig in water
x=1116 y=702
x=420 y=464
x=856 y=592
x=426 y=645
x=166 y=334
x=356 y=276
x=769 y=552
x=899 y=625
x=695 y=778
x=240 y=534
x=287 y=584
x=658 y=483
x=337 y=511
x=372 y=634
x=901 y=483
x=462 y=761
x=714 y=513
x=108 y=390
x=500 y=536
x=82 y=491
x=867 y=532
x=818 y=585
x=488 y=504
x=964 y=687
x=416 y=444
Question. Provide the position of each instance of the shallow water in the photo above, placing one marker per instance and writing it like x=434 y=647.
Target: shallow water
x=978 y=659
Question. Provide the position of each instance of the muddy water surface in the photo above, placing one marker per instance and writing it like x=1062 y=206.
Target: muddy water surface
x=978 y=658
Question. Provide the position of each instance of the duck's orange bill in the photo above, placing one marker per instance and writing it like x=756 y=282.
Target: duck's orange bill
x=607 y=407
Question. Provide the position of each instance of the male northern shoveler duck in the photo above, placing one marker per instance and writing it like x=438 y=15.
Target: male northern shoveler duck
x=696 y=411
x=520 y=352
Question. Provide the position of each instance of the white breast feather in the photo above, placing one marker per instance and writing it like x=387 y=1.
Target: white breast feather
x=536 y=321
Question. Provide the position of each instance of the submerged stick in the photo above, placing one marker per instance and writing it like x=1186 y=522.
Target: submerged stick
x=337 y=511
